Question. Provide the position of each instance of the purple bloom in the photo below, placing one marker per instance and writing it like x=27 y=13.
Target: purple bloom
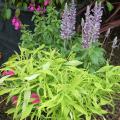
x=73 y=16
x=87 y=26
x=68 y=21
x=97 y=19
x=91 y=25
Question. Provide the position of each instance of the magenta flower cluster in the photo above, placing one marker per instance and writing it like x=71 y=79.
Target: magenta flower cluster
x=37 y=8
x=32 y=7
x=68 y=21
x=16 y=23
x=91 y=25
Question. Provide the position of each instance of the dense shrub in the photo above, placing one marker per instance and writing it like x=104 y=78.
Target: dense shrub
x=64 y=91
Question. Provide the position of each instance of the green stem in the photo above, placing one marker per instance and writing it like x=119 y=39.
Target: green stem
x=65 y=46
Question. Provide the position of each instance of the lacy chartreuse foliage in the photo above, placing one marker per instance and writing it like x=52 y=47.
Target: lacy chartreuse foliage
x=66 y=92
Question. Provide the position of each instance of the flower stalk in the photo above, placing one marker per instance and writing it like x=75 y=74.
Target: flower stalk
x=68 y=22
x=91 y=25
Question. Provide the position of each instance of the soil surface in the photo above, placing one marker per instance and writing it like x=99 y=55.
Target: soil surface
x=3 y=109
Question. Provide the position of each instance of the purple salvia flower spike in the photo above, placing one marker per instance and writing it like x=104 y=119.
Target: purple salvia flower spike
x=73 y=16
x=87 y=28
x=68 y=21
x=97 y=19
x=91 y=27
x=65 y=32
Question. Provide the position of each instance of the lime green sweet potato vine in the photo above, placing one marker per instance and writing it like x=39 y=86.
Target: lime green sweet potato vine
x=66 y=92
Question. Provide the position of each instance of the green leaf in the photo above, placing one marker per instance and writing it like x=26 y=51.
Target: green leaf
x=8 y=13
x=13 y=1
x=3 y=79
x=4 y=91
x=32 y=77
x=27 y=95
x=46 y=66
x=25 y=5
x=110 y=6
x=10 y=111
x=17 y=12
x=73 y=63
x=26 y=112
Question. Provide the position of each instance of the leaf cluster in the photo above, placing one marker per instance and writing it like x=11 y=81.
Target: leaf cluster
x=66 y=92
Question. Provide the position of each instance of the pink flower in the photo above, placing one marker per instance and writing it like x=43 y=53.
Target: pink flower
x=31 y=7
x=16 y=23
x=14 y=100
x=8 y=72
x=46 y=2
x=38 y=9
x=36 y=98
x=14 y=20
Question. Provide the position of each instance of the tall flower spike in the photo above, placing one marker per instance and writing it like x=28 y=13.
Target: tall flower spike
x=97 y=19
x=68 y=21
x=87 y=26
x=91 y=27
x=73 y=16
